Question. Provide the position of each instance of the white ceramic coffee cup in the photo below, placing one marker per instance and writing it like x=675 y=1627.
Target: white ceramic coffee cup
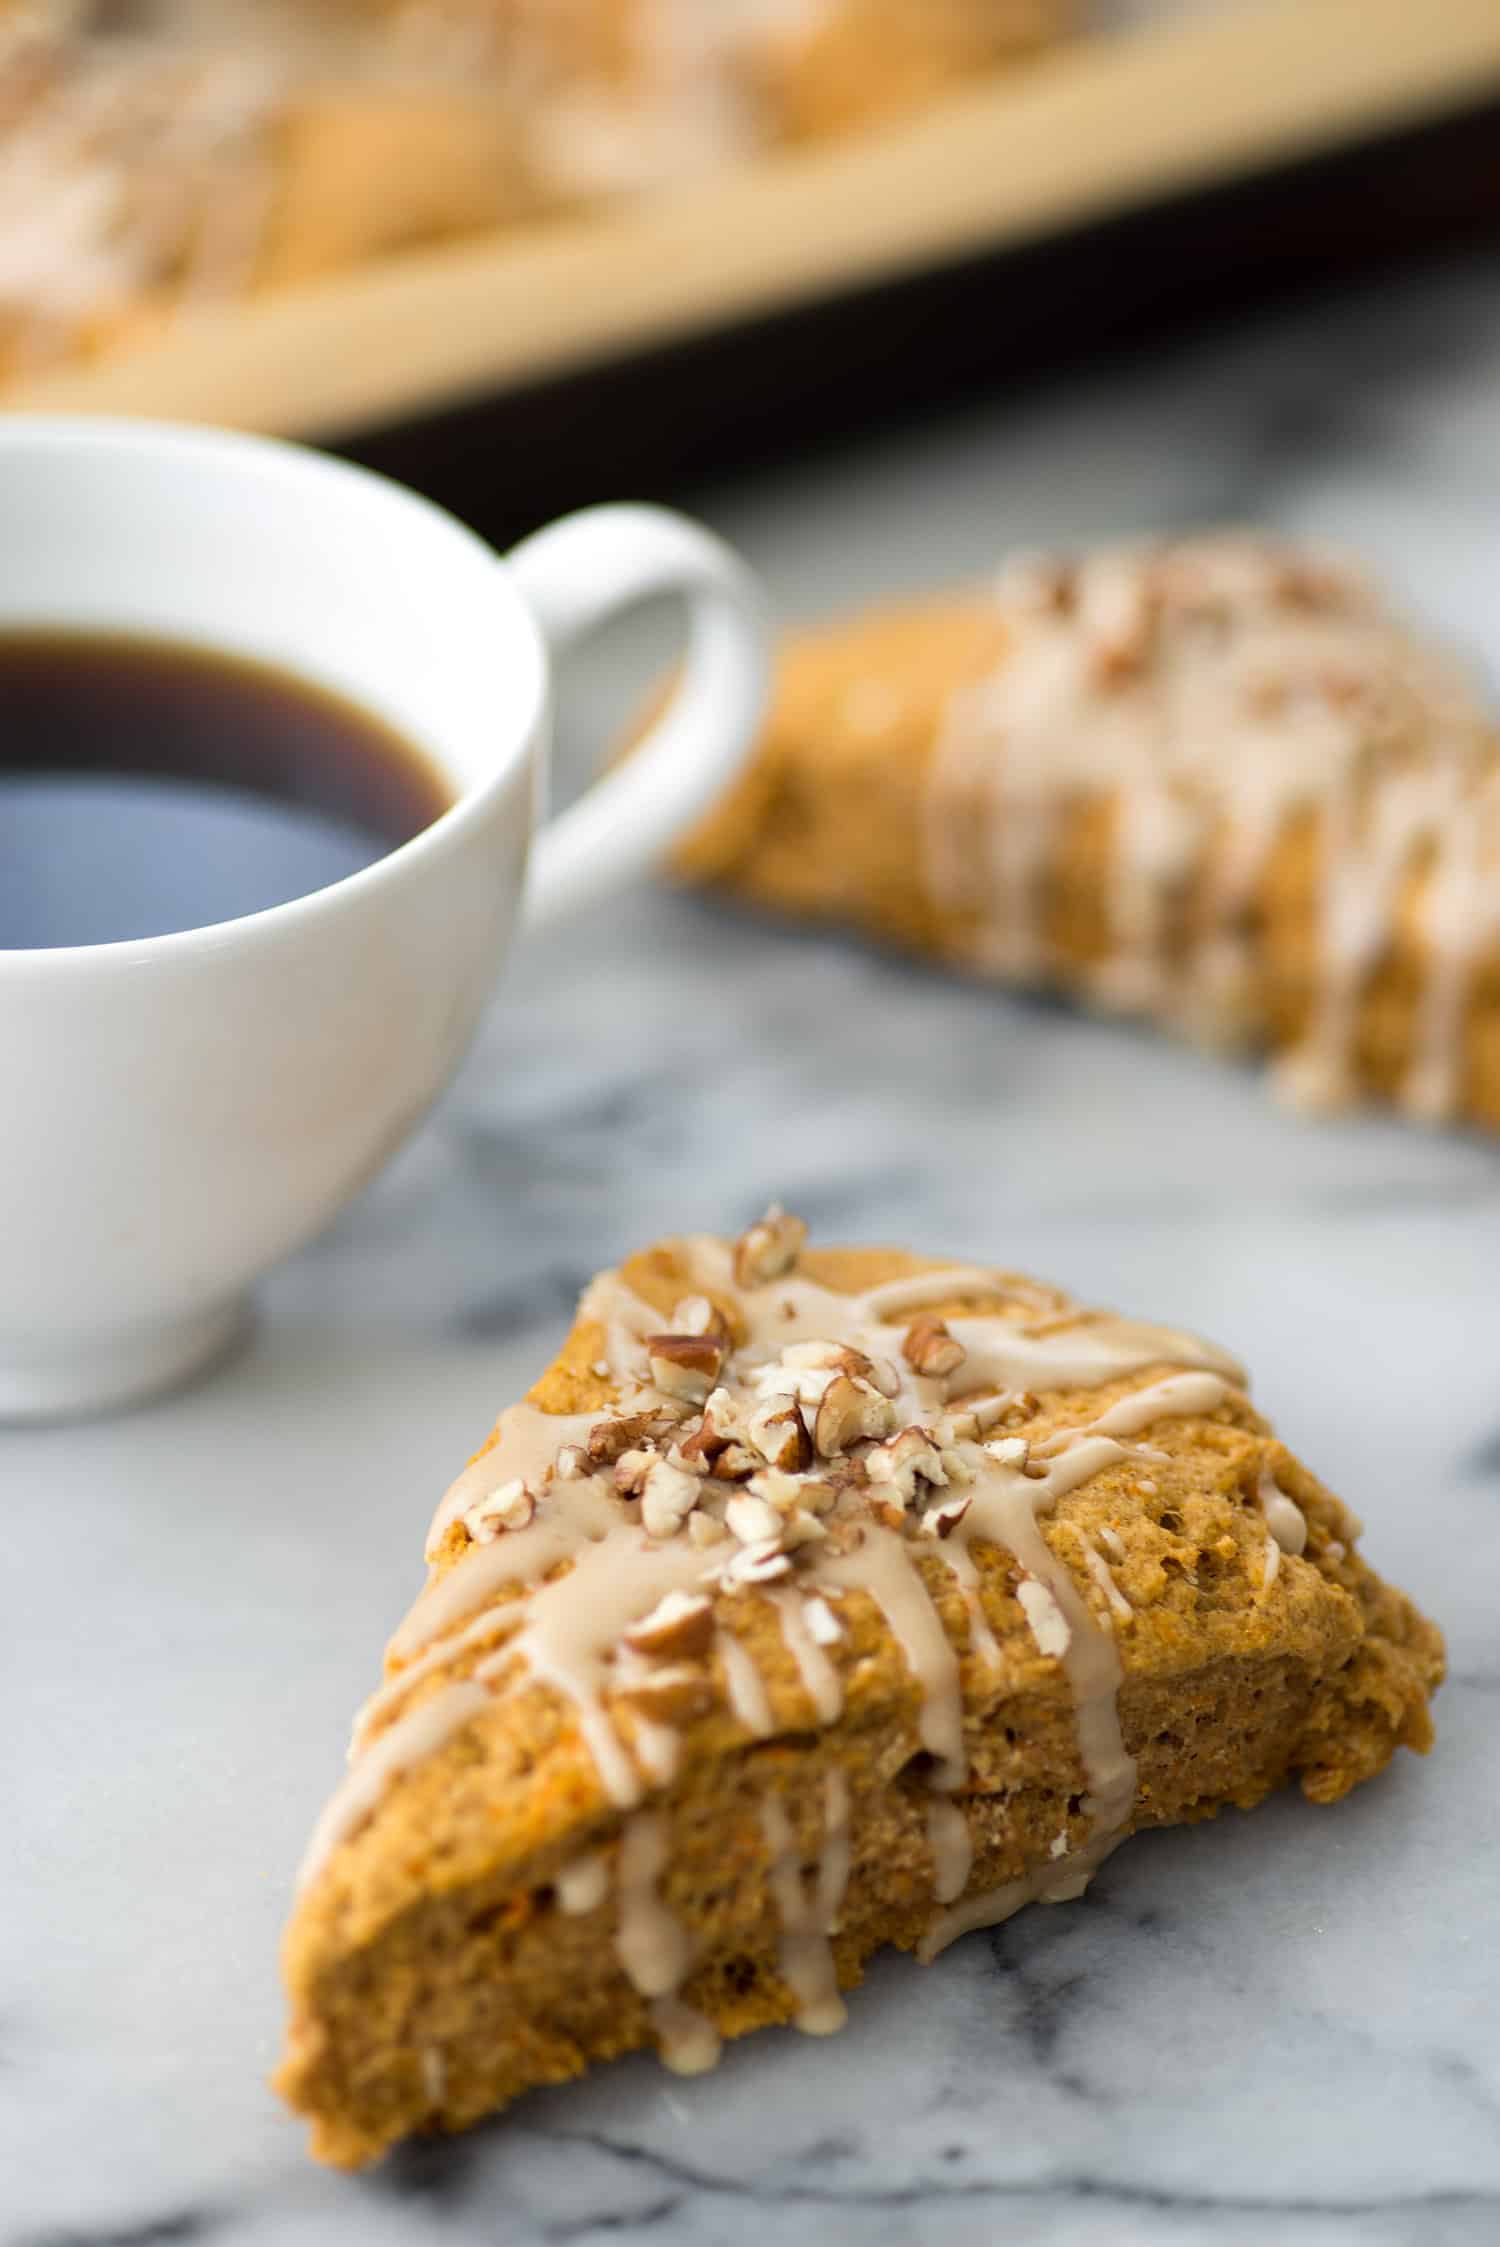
x=180 y=1112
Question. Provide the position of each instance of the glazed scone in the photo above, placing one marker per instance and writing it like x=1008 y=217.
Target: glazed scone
x=813 y=1601
x=1214 y=780
x=206 y=154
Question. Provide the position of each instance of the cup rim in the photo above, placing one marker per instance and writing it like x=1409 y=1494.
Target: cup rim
x=292 y=462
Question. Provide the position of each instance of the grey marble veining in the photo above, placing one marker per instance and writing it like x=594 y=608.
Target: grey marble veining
x=1280 y=2027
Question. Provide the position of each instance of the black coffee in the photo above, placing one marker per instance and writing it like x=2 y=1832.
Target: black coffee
x=147 y=787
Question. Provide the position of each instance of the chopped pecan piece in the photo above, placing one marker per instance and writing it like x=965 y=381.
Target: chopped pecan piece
x=942 y=1519
x=685 y=1365
x=612 y=1437
x=631 y=1470
x=697 y=1314
x=766 y=1250
x=757 y=1564
x=752 y=1520
x=734 y=1463
x=848 y=1412
x=929 y=1349
x=509 y=1506
x=680 y=1626
x=776 y=1430
x=668 y=1496
x=907 y=1457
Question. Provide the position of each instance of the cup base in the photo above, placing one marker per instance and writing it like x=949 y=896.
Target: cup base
x=73 y=1381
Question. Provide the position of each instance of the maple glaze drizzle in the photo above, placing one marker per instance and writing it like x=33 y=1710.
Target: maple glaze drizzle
x=808 y=1910
x=1206 y=695
x=564 y=1627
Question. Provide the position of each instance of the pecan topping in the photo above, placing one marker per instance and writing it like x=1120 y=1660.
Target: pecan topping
x=734 y=1463
x=942 y=1519
x=768 y=1249
x=631 y=1470
x=696 y=1314
x=752 y=1519
x=685 y=1365
x=1009 y=1451
x=756 y=1564
x=509 y=1506
x=775 y=1429
x=908 y=1456
x=848 y=1412
x=668 y=1496
x=612 y=1437
x=713 y=1433
x=931 y=1350
x=680 y=1627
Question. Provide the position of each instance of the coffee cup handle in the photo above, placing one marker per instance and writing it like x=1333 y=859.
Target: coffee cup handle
x=575 y=574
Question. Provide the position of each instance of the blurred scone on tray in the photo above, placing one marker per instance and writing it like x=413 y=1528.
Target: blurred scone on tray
x=1217 y=780
x=176 y=154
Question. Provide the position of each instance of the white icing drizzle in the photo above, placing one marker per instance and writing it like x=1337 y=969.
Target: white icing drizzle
x=745 y=1685
x=652 y=1944
x=658 y=1750
x=1181 y=1396
x=882 y=1566
x=1284 y=1517
x=959 y=1561
x=1084 y=1358
x=489 y=1624
x=918 y=1291
x=808 y=1911
x=411 y=1739
x=825 y=1688
x=527 y=1442
x=952 y=1847
x=655 y=1948
x=583 y=1884
x=1006 y=1503
x=1205 y=695
x=687 y=2040
x=520 y=1557
x=1099 y=1569
x=1058 y=1881
x=575 y=1624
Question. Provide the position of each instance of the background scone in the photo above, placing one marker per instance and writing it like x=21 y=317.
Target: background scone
x=178 y=153
x=1213 y=780
x=811 y=1602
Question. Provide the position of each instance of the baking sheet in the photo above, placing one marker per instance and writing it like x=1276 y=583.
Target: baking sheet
x=1104 y=125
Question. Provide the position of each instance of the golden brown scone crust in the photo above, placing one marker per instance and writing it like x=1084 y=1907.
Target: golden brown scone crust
x=831 y=819
x=436 y=1925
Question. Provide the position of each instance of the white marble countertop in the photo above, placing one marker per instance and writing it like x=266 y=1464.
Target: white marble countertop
x=1280 y=2027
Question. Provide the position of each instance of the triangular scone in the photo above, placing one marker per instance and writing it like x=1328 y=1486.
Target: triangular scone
x=813 y=1601
x=1214 y=781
